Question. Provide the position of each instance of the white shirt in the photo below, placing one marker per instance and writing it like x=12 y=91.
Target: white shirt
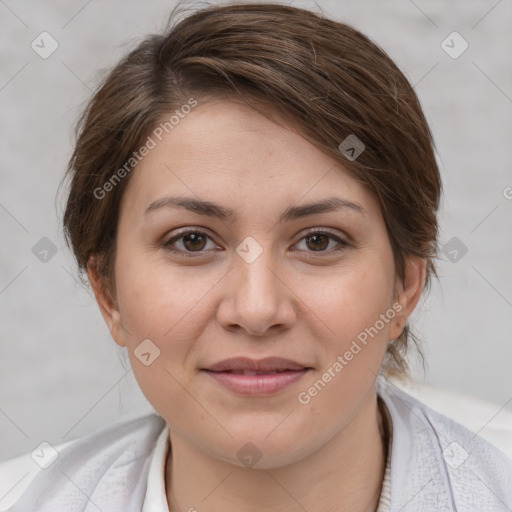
x=436 y=465
x=156 y=497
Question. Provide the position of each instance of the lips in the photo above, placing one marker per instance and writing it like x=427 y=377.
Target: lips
x=251 y=377
x=248 y=366
x=251 y=372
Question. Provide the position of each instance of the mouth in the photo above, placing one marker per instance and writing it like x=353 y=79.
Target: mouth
x=247 y=364
x=252 y=372
x=251 y=377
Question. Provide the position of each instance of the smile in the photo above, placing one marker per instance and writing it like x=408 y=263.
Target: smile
x=255 y=383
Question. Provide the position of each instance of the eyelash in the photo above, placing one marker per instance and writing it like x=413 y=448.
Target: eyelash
x=194 y=254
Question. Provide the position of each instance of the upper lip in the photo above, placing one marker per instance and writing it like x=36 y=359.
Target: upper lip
x=267 y=364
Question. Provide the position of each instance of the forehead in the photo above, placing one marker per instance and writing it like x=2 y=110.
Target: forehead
x=226 y=151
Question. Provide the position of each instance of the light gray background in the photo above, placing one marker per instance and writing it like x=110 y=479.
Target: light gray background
x=61 y=375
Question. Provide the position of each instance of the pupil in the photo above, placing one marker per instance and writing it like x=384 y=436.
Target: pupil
x=316 y=238
x=191 y=241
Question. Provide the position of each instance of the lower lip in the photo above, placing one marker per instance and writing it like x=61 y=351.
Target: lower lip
x=253 y=385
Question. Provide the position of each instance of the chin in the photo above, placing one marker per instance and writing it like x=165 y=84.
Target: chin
x=262 y=448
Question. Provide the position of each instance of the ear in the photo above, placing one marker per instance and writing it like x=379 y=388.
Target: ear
x=106 y=302
x=409 y=293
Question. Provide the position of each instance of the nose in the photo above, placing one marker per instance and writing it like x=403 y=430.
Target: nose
x=257 y=298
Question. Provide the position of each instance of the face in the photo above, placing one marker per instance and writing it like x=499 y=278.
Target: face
x=249 y=268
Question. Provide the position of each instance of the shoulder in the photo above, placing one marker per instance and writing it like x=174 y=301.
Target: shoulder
x=116 y=454
x=436 y=461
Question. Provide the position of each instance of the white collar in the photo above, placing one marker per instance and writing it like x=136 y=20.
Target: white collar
x=156 y=497
x=435 y=464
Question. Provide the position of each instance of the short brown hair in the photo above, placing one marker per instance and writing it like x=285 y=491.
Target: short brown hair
x=332 y=80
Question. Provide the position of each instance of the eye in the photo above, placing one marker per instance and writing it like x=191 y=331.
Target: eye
x=191 y=241
x=321 y=241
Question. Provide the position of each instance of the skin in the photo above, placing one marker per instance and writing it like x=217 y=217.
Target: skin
x=293 y=301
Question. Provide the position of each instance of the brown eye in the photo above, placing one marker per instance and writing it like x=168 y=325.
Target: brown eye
x=321 y=242
x=190 y=243
x=194 y=241
x=317 y=242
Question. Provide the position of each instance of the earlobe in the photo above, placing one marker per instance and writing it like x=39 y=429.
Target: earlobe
x=108 y=307
x=409 y=293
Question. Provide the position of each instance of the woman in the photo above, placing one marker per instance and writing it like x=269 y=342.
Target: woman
x=253 y=198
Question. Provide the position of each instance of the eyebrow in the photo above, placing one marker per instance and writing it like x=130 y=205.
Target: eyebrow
x=207 y=208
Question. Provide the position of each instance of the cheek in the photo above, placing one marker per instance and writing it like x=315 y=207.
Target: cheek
x=163 y=306
x=170 y=307
x=350 y=306
x=157 y=300
x=351 y=299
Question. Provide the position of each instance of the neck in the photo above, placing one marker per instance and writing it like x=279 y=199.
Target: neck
x=346 y=473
